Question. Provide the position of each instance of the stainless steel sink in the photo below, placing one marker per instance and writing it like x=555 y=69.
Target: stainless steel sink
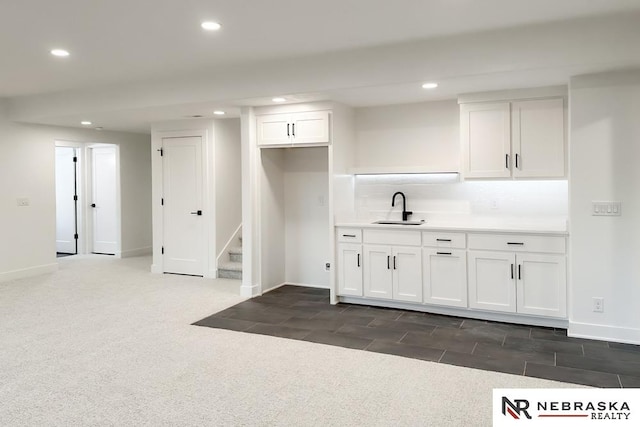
x=392 y=222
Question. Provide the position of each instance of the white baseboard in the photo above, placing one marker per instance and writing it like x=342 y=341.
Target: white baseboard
x=155 y=268
x=129 y=253
x=604 y=332
x=274 y=288
x=28 y=272
x=249 y=291
x=305 y=285
x=211 y=274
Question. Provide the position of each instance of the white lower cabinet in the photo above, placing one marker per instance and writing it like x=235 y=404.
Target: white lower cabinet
x=407 y=274
x=501 y=272
x=542 y=285
x=378 y=277
x=350 y=269
x=393 y=272
x=445 y=276
x=492 y=281
x=523 y=283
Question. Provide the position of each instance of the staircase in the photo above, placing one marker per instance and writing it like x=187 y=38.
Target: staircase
x=232 y=269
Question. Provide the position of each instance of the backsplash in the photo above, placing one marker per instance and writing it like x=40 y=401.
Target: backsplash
x=432 y=197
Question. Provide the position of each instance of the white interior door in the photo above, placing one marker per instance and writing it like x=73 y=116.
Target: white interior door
x=183 y=219
x=104 y=200
x=66 y=222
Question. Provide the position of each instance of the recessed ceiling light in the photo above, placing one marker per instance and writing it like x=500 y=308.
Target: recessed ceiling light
x=59 y=52
x=99 y=128
x=85 y=123
x=429 y=85
x=211 y=26
x=278 y=99
x=219 y=113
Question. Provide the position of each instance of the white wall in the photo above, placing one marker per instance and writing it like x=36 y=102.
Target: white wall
x=424 y=135
x=306 y=201
x=228 y=181
x=294 y=216
x=27 y=169
x=272 y=241
x=604 y=153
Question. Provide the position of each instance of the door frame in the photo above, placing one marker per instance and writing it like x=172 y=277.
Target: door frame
x=85 y=227
x=209 y=206
x=79 y=191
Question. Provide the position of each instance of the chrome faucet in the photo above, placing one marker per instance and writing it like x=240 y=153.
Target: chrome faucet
x=405 y=212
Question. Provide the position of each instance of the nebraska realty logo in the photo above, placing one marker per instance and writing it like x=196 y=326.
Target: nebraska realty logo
x=566 y=407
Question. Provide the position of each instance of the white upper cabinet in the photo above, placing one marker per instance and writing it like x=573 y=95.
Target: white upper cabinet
x=486 y=139
x=293 y=129
x=273 y=129
x=538 y=138
x=519 y=139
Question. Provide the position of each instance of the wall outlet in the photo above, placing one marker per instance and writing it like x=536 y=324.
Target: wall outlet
x=598 y=305
x=327 y=266
x=494 y=204
x=22 y=201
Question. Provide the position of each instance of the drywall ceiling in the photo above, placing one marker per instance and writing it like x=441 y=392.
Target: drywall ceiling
x=136 y=62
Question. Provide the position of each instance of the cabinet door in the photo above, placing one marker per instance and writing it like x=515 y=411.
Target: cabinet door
x=486 y=139
x=273 y=129
x=407 y=274
x=492 y=281
x=350 y=269
x=377 y=271
x=310 y=128
x=542 y=284
x=538 y=138
x=445 y=277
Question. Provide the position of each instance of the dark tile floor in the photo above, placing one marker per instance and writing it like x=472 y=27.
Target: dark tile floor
x=305 y=314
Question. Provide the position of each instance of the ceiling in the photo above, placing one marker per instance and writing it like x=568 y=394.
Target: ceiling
x=133 y=63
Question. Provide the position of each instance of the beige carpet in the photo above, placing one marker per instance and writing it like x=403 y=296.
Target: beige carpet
x=105 y=342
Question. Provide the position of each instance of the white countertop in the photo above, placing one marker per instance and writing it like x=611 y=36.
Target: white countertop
x=471 y=224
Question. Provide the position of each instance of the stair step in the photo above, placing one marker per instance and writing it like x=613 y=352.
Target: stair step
x=231 y=266
x=235 y=251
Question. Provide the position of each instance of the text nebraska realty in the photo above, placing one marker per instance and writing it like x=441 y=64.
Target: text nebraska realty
x=598 y=410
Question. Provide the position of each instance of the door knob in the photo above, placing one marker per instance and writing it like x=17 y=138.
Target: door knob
x=199 y=213
x=93 y=205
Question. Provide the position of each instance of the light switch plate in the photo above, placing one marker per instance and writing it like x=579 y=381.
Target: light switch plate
x=606 y=208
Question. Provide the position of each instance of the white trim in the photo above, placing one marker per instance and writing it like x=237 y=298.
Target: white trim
x=604 y=332
x=512 y=94
x=28 y=272
x=136 y=252
x=227 y=245
x=273 y=288
x=304 y=285
x=461 y=312
x=249 y=291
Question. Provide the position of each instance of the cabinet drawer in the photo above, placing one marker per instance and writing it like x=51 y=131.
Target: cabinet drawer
x=517 y=243
x=392 y=237
x=444 y=240
x=353 y=235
